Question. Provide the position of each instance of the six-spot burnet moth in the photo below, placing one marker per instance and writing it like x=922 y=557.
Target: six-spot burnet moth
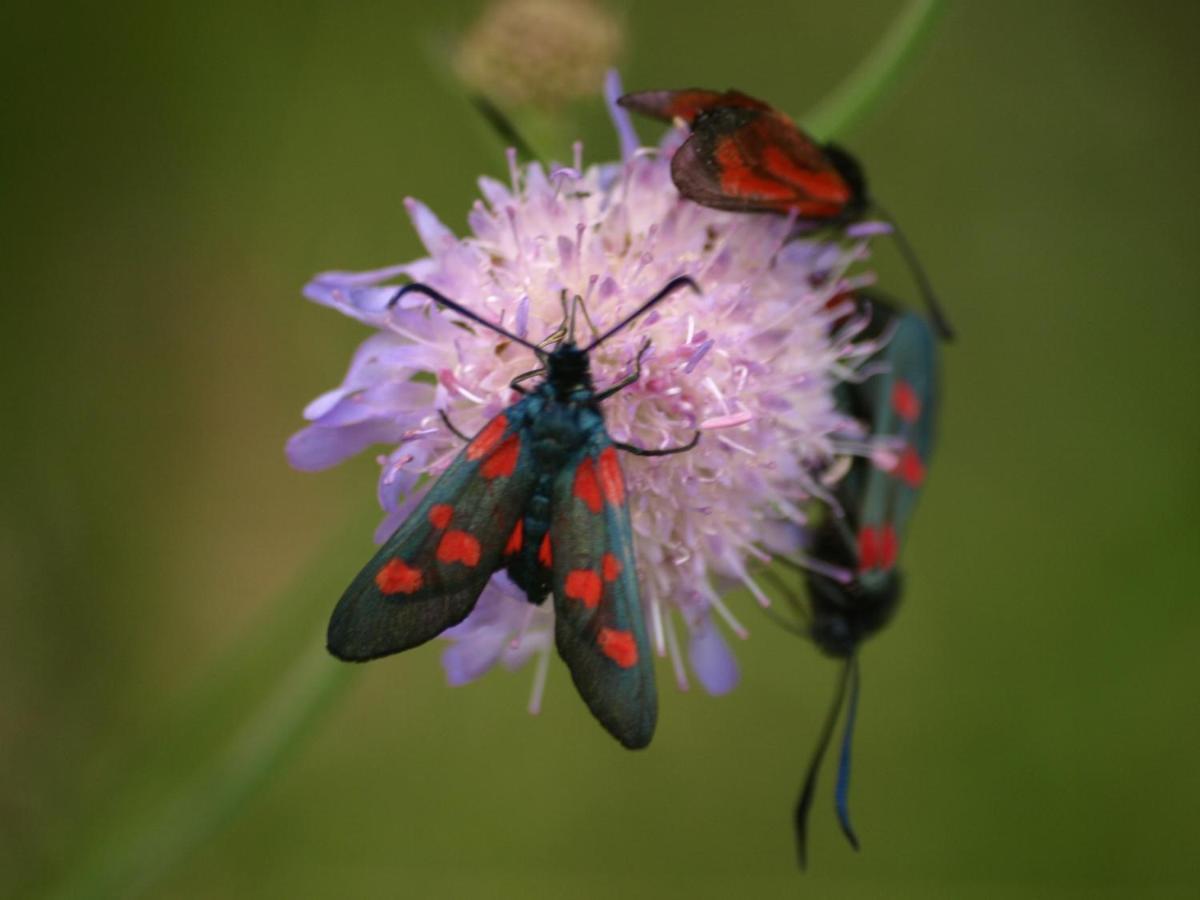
x=856 y=586
x=539 y=492
x=745 y=156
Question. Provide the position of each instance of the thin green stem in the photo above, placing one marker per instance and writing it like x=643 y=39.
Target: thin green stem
x=219 y=743
x=863 y=88
x=135 y=861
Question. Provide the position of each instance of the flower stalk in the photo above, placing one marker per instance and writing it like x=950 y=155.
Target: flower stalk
x=878 y=72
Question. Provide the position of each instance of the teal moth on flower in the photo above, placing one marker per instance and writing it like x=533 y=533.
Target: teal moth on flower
x=749 y=362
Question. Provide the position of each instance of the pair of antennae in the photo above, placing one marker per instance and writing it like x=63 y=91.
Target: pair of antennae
x=847 y=695
x=418 y=288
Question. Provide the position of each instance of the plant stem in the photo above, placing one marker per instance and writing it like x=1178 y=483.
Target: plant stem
x=863 y=88
x=216 y=745
x=212 y=797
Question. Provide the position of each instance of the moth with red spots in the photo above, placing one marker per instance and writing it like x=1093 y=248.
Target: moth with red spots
x=538 y=492
x=744 y=156
x=862 y=539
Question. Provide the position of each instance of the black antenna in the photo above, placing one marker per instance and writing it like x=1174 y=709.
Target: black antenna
x=671 y=287
x=814 y=768
x=502 y=125
x=842 y=792
x=940 y=322
x=417 y=288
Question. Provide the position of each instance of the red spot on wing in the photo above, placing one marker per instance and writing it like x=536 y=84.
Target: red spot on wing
x=890 y=548
x=458 y=546
x=398 y=577
x=910 y=469
x=619 y=646
x=503 y=462
x=440 y=514
x=740 y=181
x=905 y=401
x=586 y=487
x=788 y=185
x=611 y=566
x=823 y=185
x=869 y=551
x=611 y=481
x=485 y=442
x=584 y=585
x=545 y=554
x=516 y=539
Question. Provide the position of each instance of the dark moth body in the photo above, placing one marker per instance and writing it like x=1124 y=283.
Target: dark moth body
x=538 y=492
x=898 y=403
x=561 y=415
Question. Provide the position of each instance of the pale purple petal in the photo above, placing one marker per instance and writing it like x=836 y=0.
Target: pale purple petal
x=713 y=662
x=621 y=120
x=869 y=229
x=436 y=237
x=471 y=656
x=315 y=448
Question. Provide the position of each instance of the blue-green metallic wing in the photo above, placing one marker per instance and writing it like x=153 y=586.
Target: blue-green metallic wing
x=428 y=575
x=599 y=626
x=901 y=403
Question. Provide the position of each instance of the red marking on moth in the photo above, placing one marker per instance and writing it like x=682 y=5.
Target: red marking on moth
x=611 y=566
x=812 y=194
x=869 y=551
x=503 y=462
x=619 y=646
x=611 y=481
x=485 y=442
x=739 y=180
x=439 y=515
x=458 y=546
x=824 y=186
x=397 y=577
x=910 y=469
x=545 y=554
x=905 y=401
x=586 y=487
x=584 y=585
x=890 y=548
x=516 y=539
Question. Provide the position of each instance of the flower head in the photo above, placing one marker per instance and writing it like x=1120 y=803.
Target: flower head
x=543 y=53
x=751 y=362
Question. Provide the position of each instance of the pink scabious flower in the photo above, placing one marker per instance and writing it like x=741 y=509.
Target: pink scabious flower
x=752 y=362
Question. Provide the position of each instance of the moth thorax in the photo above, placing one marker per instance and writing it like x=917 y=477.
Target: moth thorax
x=850 y=170
x=567 y=370
x=845 y=615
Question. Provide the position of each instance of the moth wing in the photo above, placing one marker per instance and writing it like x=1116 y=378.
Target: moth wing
x=600 y=629
x=903 y=404
x=686 y=104
x=428 y=575
x=757 y=160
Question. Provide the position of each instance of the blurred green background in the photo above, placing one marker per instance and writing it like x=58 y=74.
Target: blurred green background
x=173 y=173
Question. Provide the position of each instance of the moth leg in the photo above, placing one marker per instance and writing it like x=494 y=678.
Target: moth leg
x=557 y=336
x=450 y=425
x=628 y=379
x=587 y=318
x=515 y=384
x=666 y=451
